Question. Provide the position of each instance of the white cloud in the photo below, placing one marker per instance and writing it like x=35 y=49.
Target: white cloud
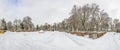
x=42 y=11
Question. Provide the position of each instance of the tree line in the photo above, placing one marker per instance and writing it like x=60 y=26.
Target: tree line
x=88 y=17
x=18 y=25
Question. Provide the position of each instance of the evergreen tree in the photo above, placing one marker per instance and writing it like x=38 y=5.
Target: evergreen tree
x=10 y=26
x=3 y=24
x=37 y=27
x=21 y=26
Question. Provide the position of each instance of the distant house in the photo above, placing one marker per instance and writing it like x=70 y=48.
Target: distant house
x=93 y=35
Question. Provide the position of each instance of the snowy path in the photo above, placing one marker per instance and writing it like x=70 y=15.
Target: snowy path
x=57 y=41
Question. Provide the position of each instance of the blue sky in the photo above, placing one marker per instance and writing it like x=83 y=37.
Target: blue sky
x=13 y=2
x=50 y=11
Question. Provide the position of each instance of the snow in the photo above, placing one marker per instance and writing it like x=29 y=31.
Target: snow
x=57 y=41
x=41 y=31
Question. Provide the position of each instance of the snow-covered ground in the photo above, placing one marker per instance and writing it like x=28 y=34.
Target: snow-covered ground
x=57 y=41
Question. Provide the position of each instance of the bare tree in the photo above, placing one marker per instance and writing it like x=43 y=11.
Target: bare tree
x=27 y=23
x=116 y=24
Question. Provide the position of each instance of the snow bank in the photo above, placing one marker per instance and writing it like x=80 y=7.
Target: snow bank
x=108 y=42
x=57 y=41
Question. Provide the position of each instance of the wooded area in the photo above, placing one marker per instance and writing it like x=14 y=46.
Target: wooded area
x=82 y=18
